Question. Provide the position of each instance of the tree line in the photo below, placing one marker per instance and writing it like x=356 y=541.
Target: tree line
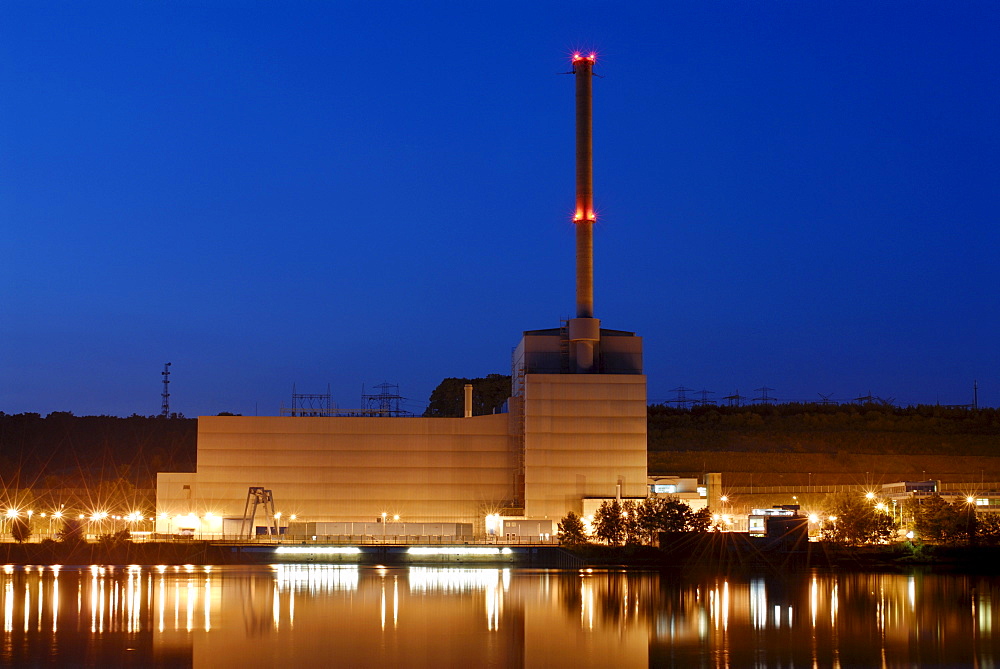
x=817 y=428
x=853 y=520
x=631 y=523
x=61 y=450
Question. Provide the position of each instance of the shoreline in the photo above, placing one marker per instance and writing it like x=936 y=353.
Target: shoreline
x=710 y=551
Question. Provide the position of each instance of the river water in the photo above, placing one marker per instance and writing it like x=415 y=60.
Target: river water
x=340 y=615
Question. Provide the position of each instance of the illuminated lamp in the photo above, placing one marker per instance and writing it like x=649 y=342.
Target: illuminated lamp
x=324 y=550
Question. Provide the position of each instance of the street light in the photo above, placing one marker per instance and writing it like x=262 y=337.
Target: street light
x=11 y=515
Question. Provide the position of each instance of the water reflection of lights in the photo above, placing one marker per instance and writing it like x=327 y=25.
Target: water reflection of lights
x=395 y=600
x=315 y=577
x=494 y=605
x=138 y=599
x=833 y=605
x=718 y=602
x=454 y=580
x=8 y=606
x=813 y=600
x=276 y=606
x=758 y=603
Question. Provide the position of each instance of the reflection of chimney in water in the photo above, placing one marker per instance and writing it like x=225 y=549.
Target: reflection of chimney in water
x=584 y=330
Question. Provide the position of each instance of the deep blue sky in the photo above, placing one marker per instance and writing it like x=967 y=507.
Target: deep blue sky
x=800 y=195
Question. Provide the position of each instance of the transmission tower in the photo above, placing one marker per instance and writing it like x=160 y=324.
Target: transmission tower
x=735 y=399
x=165 y=404
x=866 y=399
x=385 y=402
x=764 y=397
x=681 y=400
x=703 y=398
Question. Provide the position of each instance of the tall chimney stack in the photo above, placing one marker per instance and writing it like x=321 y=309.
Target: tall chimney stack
x=584 y=330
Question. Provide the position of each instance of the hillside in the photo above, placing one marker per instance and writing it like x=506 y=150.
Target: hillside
x=63 y=450
x=798 y=444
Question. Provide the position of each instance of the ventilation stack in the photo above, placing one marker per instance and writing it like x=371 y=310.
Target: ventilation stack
x=584 y=330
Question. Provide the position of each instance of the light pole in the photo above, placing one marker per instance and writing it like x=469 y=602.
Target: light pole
x=384 y=516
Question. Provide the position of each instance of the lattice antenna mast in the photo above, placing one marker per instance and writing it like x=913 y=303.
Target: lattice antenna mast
x=165 y=395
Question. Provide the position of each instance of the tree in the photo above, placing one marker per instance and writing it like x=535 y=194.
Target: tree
x=632 y=532
x=72 y=531
x=858 y=521
x=936 y=519
x=988 y=527
x=488 y=394
x=669 y=514
x=609 y=524
x=571 y=530
x=20 y=530
x=700 y=520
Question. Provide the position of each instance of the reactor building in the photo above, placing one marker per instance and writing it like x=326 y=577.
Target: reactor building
x=574 y=434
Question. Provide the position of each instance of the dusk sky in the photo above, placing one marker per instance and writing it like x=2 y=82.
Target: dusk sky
x=797 y=195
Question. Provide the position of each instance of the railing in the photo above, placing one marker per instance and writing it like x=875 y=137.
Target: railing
x=324 y=539
x=795 y=489
x=368 y=540
x=982 y=487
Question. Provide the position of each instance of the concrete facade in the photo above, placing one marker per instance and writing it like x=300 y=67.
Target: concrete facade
x=584 y=436
x=568 y=437
x=343 y=469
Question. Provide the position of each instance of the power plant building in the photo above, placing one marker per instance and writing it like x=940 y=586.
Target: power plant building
x=575 y=431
